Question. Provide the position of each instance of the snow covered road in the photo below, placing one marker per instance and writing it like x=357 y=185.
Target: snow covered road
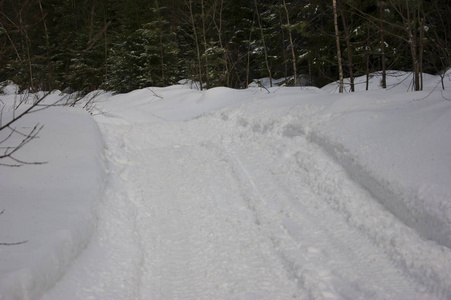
x=230 y=205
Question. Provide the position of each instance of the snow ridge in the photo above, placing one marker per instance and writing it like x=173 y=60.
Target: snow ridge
x=368 y=217
x=241 y=194
x=391 y=196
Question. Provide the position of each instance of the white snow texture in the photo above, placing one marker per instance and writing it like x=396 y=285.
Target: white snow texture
x=176 y=193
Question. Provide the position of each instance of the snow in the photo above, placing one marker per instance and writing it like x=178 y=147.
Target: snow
x=176 y=193
x=51 y=206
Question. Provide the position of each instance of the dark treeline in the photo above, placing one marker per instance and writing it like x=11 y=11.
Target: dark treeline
x=122 y=45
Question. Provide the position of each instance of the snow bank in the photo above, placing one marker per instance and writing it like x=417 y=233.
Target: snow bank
x=397 y=81
x=395 y=144
x=50 y=206
x=399 y=148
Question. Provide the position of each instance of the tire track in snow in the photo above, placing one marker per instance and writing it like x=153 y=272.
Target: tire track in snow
x=423 y=261
x=303 y=166
x=278 y=232
x=201 y=242
x=302 y=238
x=221 y=208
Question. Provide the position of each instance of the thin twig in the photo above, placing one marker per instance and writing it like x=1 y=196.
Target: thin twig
x=12 y=244
x=28 y=110
x=261 y=85
x=443 y=96
x=155 y=94
x=425 y=97
x=9 y=151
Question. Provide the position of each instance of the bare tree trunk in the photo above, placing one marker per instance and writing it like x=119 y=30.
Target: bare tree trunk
x=293 y=54
x=416 y=64
x=248 y=63
x=367 y=54
x=105 y=50
x=420 y=43
x=382 y=37
x=414 y=48
x=204 y=34
x=24 y=30
x=160 y=33
x=413 y=42
x=412 y=21
x=264 y=44
x=283 y=47
x=196 y=40
x=47 y=49
x=442 y=43
x=221 y=44
x=337 y=39
x=349 y=49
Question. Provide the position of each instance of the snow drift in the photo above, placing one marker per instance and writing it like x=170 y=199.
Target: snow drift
x=51 y=206
x=379 y=161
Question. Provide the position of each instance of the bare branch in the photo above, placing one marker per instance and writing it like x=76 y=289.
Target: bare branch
x=260 y=84
x=155 y=94
x=28 y=110
x=10 y=244
x=9 y=151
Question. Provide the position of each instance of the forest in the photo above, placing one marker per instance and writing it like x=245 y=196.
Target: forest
x=117 y=45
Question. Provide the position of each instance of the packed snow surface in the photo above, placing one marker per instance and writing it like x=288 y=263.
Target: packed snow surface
x=278 y=193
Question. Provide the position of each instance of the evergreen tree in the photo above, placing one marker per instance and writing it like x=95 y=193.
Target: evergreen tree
x=146 y=58
x=123 y=45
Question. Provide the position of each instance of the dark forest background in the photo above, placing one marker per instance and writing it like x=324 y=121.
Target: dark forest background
x=121 y=45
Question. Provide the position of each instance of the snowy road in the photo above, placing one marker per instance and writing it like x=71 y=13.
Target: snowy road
x=226 y=206
x=240 y=203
